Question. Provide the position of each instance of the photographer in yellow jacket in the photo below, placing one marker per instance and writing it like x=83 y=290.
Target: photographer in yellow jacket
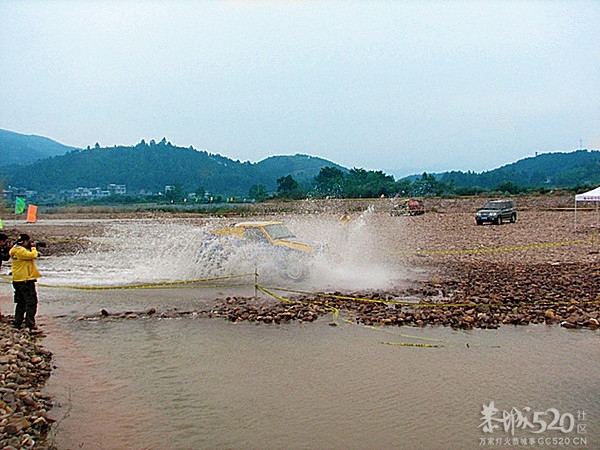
x=24 y=276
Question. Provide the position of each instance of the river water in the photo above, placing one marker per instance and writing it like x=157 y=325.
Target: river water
x=197 y=383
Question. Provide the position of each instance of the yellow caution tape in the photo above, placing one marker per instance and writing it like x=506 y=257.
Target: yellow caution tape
x=163 y=284
x=421 y=304
x=372 y=300
x=385 y=330
x=408 y=344
x=335 y=312
x=272 y=294
x=494 y=249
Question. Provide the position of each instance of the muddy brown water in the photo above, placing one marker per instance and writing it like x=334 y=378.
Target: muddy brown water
x=193 y=383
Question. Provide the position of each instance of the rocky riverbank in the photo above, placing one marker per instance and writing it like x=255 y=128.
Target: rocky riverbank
x=24 y=368
x=487 y=297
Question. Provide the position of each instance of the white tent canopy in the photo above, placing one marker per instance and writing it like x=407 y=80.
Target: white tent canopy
x=589 y=196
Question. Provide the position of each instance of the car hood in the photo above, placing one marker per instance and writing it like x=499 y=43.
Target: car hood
x=489 y=211
x=295 y=244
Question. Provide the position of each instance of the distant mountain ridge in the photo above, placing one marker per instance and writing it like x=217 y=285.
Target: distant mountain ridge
x=18 y=148
x=53 y=167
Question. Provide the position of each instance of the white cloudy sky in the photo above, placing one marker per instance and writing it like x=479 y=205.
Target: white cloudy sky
x=400 y=86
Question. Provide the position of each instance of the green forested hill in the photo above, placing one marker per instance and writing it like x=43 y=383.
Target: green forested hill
x=302 y=167
x=578 y=168
x=152 y=166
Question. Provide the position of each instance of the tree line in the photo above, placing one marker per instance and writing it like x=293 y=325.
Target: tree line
x=359 y=183
x=332 y=182
x=161 y=172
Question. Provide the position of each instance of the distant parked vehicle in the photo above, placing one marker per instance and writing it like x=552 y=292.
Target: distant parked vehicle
x=496 y=212
x=409 y=207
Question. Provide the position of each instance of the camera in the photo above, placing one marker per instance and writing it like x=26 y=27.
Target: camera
x=41 y=244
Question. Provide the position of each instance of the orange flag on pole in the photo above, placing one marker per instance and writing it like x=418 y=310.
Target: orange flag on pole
x=31 y=214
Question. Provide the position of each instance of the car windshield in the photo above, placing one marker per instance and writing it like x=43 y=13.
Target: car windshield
x=278 y=231
x=493 y=205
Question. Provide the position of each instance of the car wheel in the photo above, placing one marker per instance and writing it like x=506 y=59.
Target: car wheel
x=499 y=220
x=479 y=222
x=513 y=218
x=293 y=266
x=295 y=270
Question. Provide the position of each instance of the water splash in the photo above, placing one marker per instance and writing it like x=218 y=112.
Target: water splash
x=166 y=250
x=130 y=252
x=355 y=248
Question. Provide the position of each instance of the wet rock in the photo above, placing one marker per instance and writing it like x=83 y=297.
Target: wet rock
x=468 y=294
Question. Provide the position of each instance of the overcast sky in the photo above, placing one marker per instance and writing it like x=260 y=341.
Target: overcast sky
x=398 y=86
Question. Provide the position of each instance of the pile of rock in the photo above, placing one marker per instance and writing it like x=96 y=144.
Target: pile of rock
x=237 y=309
x=384 y=311
x=429 y=305
x=471 y=295
x=465 y=295
x=479 y=316
x=24 y=368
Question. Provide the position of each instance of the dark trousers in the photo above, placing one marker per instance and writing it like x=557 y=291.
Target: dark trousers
x=26 y=303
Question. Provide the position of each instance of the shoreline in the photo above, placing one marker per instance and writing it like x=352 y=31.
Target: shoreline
x=476 y=301
x=25 y=366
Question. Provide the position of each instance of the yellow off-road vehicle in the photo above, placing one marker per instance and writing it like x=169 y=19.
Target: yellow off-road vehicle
x=272 y=245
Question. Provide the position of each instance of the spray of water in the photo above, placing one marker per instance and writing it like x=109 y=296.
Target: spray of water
x=166 y=250
x=131 y=252
x=354 y=259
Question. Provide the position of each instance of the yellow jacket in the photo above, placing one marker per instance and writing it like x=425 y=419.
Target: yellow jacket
x=23 y=266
